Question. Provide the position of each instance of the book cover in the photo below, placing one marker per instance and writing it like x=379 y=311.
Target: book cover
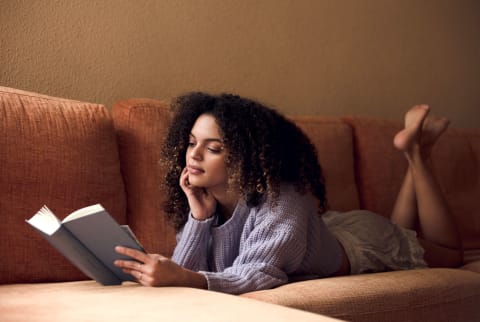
x=87 y=238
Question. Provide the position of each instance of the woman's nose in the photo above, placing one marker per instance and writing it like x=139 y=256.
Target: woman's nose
x=195 y=153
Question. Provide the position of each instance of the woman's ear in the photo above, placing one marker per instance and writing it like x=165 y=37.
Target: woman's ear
x=260 y=186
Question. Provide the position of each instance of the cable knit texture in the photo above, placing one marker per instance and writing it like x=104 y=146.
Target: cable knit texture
x=260 y=248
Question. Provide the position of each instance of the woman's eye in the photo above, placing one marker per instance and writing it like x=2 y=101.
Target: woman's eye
x=214 y=150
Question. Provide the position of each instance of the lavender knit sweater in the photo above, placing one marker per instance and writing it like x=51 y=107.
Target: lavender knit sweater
x=260 y=248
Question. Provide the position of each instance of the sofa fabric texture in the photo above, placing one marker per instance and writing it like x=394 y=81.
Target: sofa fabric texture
x=141 y=126
x=55 y=152
x=436 y=294
x=69 y=154
x=88 y=301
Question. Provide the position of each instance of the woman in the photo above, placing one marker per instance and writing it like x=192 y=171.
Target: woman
x=247 y=197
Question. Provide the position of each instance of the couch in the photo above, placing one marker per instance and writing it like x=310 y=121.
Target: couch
x=69 y=154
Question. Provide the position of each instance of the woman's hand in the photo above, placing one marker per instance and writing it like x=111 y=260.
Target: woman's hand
x=157 y=270
x=201 y=201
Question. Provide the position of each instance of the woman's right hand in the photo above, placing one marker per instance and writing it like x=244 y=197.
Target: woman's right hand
x=201 y=201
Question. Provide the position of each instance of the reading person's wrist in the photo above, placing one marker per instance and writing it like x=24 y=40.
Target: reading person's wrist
x=194 y=279
x=202 y=218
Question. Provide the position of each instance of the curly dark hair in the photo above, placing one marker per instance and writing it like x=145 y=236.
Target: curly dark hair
x=265 y=149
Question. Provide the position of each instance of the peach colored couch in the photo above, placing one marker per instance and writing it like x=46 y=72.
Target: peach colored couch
x=69 y=154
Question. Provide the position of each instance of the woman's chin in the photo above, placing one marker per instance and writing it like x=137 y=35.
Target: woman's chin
x=195 y=182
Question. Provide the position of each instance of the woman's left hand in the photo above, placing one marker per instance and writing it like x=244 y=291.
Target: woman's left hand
x=157 y=270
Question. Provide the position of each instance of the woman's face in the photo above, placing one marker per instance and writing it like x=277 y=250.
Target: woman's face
x=206 y=155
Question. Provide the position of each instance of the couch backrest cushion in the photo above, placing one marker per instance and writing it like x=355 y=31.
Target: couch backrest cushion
x=455 y=161
x=141 y=128
x=333 y=140
x=56 y=152
x=379 y=167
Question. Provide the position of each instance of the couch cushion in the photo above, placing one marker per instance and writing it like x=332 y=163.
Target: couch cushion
x=379 y=167
x=57 y=152
x=438 y=294
x=333 y=140
x=141 y=127
x=456 y=163
x=88 y=301
x=473 y=266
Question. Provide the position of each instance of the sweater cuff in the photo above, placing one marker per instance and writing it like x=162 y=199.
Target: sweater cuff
x=196 y=230
x=218 y=283
x=195 y=223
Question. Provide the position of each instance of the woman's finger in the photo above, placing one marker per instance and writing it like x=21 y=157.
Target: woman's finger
x=133 y=253
x=184 y=183
x=129 y=265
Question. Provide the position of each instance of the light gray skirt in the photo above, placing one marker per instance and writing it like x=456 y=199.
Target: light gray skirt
x=373 y=243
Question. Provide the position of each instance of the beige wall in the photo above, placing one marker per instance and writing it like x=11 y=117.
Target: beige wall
x=329 y=57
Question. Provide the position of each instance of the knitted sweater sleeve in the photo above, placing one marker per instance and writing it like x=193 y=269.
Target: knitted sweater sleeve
x=271 y=249
x=191 y=251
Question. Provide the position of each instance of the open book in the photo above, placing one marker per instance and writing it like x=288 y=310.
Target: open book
x=87 y=237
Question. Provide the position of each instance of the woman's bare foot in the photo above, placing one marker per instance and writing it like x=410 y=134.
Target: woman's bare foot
x=410 y=136
x=433 y=128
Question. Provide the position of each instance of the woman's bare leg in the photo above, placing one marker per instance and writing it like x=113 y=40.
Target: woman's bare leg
x=426 y=130
x=421 y=191
x=405 y=209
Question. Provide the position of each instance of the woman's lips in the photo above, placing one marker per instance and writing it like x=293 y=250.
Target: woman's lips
x=194 y=170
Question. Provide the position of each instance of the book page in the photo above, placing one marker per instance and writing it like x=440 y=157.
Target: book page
x=84 y=212
x=45 y=221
